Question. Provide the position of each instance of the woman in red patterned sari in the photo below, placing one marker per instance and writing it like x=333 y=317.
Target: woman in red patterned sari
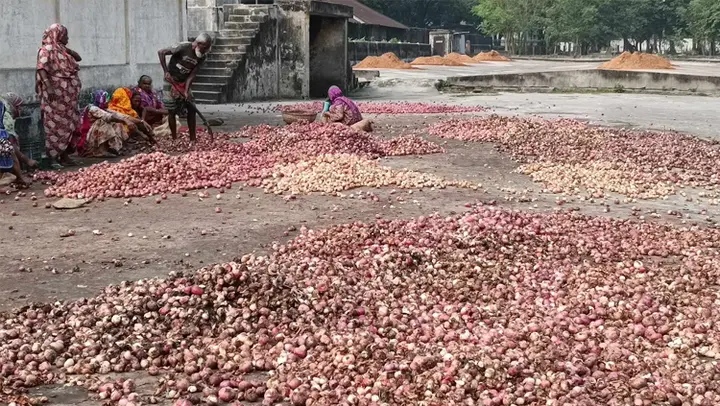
x=57 y=84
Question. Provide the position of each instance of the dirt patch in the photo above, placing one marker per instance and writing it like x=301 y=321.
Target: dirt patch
x=454 y=56
x=637 y=60
x=436 y=61
x=490 y=57
x=385 y=61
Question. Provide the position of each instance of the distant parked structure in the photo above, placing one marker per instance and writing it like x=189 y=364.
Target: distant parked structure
x=371 y=25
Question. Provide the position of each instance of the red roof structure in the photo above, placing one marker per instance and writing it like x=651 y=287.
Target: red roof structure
x=363 y=14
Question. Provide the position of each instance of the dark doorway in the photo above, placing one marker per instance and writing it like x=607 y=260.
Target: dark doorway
x=328 y=54
x=439 y=46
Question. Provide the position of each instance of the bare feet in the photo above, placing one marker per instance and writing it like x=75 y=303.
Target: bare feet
x=21 y=182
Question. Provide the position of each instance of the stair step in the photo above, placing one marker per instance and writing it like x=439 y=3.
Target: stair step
x=203 y=101
x=230 y=48
x=225 y=56
x=219 y=79
x=212 y=71
x=247 y=18
x=244 y=28
x=237 y=34
x=245 y=9
x=228 y=41
x=208 y=87
x=217 y=64
x=202 y=96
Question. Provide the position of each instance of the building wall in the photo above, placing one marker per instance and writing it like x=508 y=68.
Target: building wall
x=203 y=15
x=278 y=63
x=294 y=31
x=118 y=39
x=258 y=75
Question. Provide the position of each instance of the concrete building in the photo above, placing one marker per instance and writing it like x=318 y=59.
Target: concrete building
x=117 y=39
x=370 y=24
x=287 y=49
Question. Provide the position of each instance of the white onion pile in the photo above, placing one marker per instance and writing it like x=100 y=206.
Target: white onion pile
x=334 y=173
x=491 y=307
x=389 y=107
x=596 y=178
x=570 y=154
x=221 y=163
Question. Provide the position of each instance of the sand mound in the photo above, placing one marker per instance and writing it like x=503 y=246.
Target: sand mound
x=454 y=56
x=637 y=60
x=490 y=56
x=385 y=61
x=436 y=60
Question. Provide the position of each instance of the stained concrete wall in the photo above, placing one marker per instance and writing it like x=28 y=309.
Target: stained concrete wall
x=203 y=16
x=258 y=75
x=591 y=79
x=294 y=31
x=328 y=40
x=118 y=39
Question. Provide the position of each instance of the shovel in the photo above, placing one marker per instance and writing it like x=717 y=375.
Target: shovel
x=192 y=105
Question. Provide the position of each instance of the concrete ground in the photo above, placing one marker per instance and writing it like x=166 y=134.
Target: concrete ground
x=39 y=265
x=425 y=73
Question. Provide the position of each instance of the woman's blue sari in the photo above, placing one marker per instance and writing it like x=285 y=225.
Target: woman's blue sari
x=6 y=147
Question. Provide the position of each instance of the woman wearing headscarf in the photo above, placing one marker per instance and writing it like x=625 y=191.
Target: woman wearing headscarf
x=57 y=83
x=12 y=103
x=152 y=109
x=9 y=160
x=121 y=102
x=345 y=111
x=104 y=130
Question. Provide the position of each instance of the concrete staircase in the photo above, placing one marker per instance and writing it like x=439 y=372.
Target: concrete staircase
x=229 y=50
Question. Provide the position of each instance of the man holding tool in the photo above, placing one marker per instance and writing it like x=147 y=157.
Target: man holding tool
x=180 y=71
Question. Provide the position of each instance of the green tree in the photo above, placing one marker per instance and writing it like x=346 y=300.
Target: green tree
x=573 y=21
x=703 y=18
x=521 y=22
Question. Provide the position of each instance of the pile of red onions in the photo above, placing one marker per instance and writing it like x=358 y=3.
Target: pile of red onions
x=221 y=163
x=389 y=107
x=491 y=307
x=570 y=155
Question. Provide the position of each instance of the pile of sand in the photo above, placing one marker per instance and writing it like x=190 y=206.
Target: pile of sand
x=462 y=58
x=490 y=56
x=637 y=60
x=436 y=60
x=385 y=61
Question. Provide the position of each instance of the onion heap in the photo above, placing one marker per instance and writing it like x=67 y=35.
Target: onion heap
x=332 y=174
x=221 y=163
x=570 y=156
x=490 y=307
x=389 y=107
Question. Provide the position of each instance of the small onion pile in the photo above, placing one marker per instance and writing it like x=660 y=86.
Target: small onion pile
x=221 y=163
x=334 y=173
x=569 y=155
x=390 y=108
x=490 y=307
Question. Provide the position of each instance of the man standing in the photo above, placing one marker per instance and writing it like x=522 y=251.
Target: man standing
x=185 y=61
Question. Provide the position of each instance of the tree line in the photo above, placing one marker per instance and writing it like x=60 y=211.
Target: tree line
x=540 y=26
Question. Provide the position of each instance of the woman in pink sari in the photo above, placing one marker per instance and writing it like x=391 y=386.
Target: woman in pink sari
x=57 y=83
x=345 y=111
